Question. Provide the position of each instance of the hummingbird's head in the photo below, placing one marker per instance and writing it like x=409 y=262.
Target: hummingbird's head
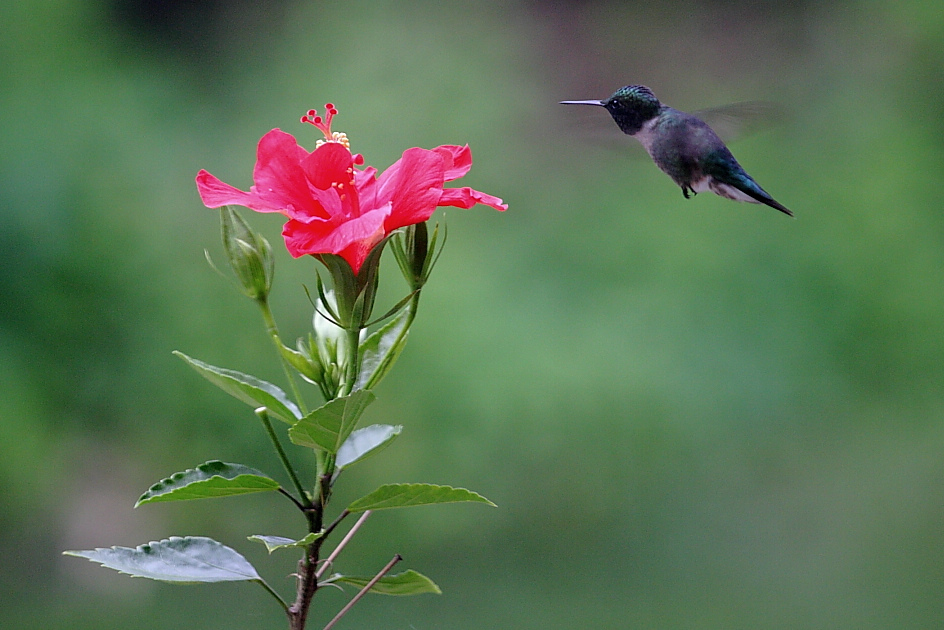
x=632 y=106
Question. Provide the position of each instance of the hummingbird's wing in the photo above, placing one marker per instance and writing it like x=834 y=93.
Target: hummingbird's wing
x=739 y=120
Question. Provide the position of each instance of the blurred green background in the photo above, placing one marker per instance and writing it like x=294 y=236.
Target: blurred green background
x=692 y=414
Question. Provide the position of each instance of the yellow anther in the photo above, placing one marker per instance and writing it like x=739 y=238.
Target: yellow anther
x=336 y=136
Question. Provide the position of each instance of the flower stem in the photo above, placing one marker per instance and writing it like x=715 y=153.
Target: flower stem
x=263 y=414
x=412 y=306
x=273 y=331
x=353 y=362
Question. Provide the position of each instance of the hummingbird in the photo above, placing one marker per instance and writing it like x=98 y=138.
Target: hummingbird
x=683 y=146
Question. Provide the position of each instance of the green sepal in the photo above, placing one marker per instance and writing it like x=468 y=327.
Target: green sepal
x=368 y=279
x=323 y=302
x=327 y=427
x=280 y=542
x=209 y=480
x=187 y=560
x=396 y=495
x=360 y=312
x=406 y=583
x=433 y=258
x=365 y=442
x=249 y=389
x=381 y=349
x=393 y=310
x=309 y=366
x=345 y=286
x=355 y=294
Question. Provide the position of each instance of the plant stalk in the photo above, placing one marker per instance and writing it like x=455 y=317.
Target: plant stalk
x=263 y=414
x=273 y=331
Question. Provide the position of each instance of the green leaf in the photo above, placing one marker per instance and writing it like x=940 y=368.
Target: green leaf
x=380 y=350
x=409 y=494
x=406 y=583
x=328 y=426
x=280 y=542
x=249 y=389
x=364 y=442
x=188 y=560
x=212 y=479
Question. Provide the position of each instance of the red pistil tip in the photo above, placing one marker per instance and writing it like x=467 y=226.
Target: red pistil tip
x=324 y=125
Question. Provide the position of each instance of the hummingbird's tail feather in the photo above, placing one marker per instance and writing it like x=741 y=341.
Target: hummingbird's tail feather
x=761 y=196
x=744 y=188
x=774 y=204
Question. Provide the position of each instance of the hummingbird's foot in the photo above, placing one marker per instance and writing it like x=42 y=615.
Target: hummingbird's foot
x=686 y=190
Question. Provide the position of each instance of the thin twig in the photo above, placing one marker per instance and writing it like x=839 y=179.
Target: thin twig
x=337 y=521
x=293 y=499
x=363 y=591
x=341 y=545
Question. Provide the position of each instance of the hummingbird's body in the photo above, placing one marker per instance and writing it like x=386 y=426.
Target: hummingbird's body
x=683 y=146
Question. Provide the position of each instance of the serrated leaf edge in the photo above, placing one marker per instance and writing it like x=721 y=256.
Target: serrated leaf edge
x=180 y=474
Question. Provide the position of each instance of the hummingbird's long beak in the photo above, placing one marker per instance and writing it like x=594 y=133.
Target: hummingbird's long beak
x=591 y=102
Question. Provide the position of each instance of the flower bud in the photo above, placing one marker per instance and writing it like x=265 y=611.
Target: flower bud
x=417 y=240
x=249 y=255
x=416 y=253
x=328 y=346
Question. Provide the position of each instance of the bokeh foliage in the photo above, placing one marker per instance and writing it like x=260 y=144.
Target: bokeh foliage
x=690 y=413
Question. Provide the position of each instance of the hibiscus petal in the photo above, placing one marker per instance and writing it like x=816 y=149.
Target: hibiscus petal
x=331 y=163
x=280 y=181
x=366 y=183
x=466 y=198
x=330 y=202
x=413 y=184
x=330 y=170
x=215 y=193
x=351 y=239
x=356 y=253
x=456 y=160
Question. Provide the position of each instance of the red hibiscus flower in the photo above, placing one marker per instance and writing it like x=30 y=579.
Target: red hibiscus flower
x=335 y=208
